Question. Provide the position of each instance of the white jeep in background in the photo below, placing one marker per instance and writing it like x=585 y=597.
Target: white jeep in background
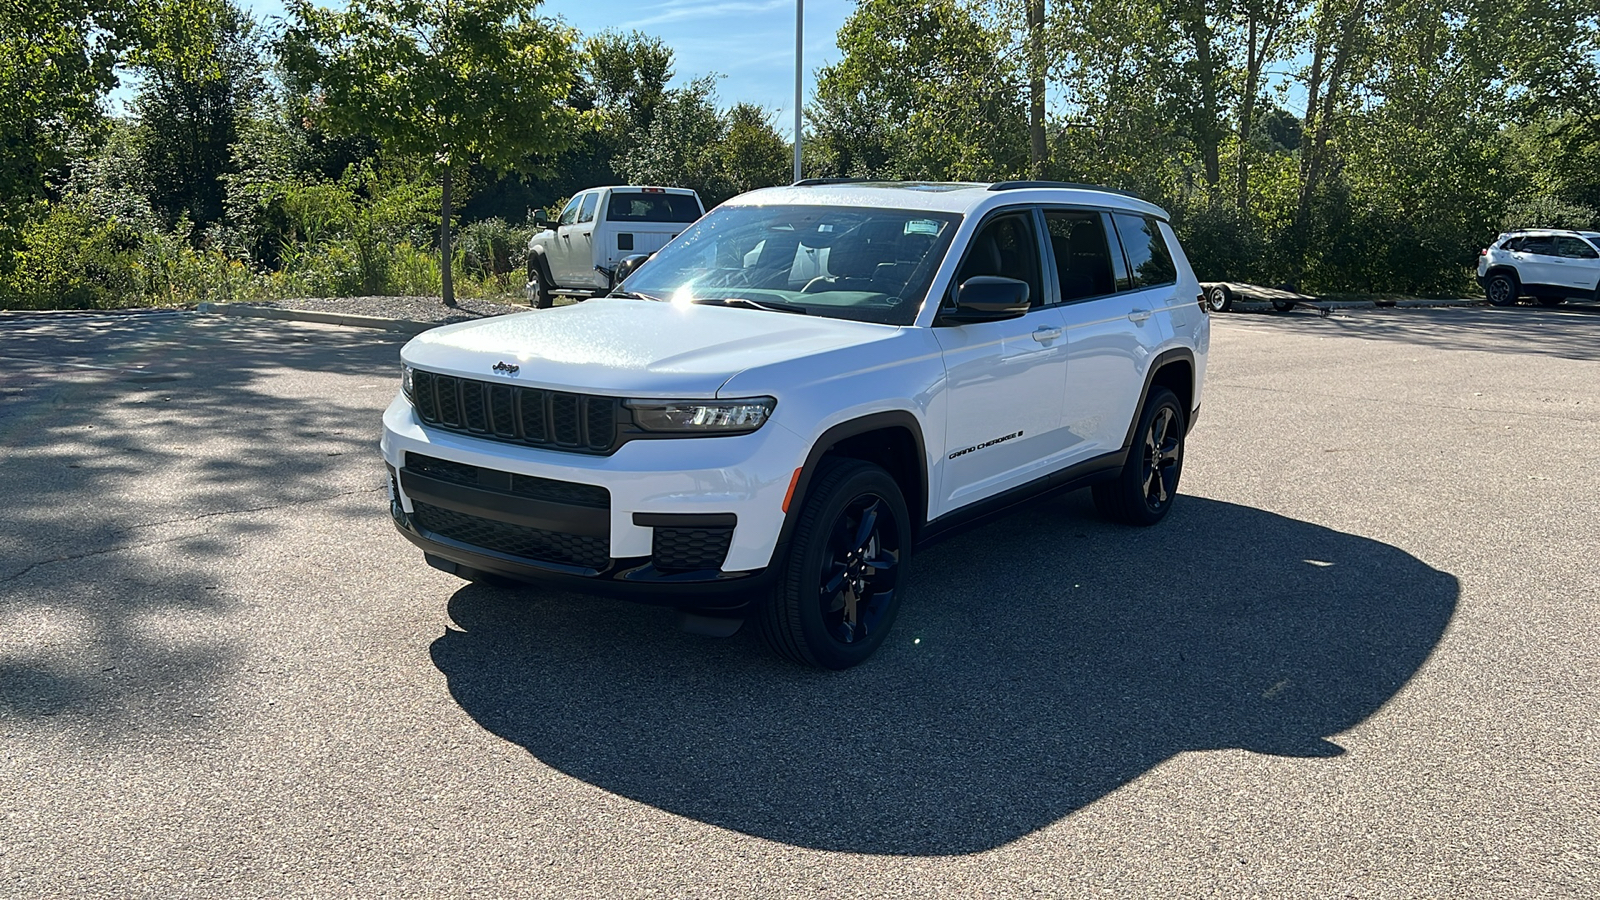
x=1545 y=264
x=577 y=254
x=767 y=417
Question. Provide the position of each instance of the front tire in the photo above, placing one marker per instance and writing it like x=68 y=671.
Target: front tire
x=537 y=291
x=1143 y=492
x=1501 y=289
x=840 y=587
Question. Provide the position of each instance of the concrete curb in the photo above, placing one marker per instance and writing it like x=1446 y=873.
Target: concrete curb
x=404 y=326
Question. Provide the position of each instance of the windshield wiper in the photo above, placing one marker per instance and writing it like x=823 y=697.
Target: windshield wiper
x=753 y=304
x=632 y=295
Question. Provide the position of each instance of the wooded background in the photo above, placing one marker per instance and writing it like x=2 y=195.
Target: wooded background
x=1340 y=145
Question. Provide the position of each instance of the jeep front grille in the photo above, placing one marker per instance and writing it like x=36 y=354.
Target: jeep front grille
x=555 y=420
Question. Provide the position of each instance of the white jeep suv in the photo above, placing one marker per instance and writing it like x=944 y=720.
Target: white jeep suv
x=1548 y=265
x=771 y=414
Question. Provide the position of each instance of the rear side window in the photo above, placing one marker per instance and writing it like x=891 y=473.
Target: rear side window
x=1572 y=248
x=637 y=206
x=1083 y=257
x=1149 y=260
x=1544 y=246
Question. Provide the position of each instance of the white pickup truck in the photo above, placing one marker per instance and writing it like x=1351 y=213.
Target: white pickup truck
x=578 y=253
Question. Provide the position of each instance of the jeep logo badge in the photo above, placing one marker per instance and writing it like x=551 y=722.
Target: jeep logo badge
x=507 y=368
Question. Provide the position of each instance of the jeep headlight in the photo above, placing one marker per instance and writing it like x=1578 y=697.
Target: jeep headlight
x=405 y=380
x=702 y=416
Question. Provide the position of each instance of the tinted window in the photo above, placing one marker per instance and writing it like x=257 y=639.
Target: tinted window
x=1083 y=257
x=635 y=206
x=1006 y=247
x=1149 y=260
x=1572 y=248
x=586 y=212
x=570 y=214
x=1544 y=246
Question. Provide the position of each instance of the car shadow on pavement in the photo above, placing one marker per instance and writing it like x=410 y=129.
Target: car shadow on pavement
x=1041 y=663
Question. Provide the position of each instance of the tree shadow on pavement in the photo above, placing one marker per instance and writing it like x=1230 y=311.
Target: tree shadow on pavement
x=1040 y=663
x=1570 y=331
x=135 y=446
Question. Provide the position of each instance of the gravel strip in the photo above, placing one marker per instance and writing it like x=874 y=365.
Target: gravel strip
x=414 y=309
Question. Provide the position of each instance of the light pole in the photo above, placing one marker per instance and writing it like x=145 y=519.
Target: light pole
x=799 y=31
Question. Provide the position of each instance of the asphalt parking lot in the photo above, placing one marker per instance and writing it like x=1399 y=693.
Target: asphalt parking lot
x=1359 y=660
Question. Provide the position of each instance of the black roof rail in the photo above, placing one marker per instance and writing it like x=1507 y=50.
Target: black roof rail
x=1022 y=185
x=817 y=182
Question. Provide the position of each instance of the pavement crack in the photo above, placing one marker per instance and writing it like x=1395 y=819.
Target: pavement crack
x=73 y=557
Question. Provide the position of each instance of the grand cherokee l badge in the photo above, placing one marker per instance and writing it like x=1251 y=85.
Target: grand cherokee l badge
x=507 y=368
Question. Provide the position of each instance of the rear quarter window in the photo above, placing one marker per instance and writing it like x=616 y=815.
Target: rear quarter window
x=1149 y=259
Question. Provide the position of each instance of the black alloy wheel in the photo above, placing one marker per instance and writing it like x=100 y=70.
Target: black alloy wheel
x=1144 y=491
x=841 y=586
x=1501 y=289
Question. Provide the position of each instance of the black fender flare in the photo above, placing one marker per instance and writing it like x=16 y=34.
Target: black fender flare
x=898 y=418
x=536 y=257
x=1162 y=360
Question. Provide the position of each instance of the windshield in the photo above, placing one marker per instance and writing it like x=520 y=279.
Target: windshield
x=871 y=265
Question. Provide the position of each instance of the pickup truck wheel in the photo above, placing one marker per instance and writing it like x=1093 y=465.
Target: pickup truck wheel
x=840 y=586
x=537 y=291
x=1501 y=289
x=1143 y=493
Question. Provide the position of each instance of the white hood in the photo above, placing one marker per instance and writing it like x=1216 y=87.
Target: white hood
x=635 y=348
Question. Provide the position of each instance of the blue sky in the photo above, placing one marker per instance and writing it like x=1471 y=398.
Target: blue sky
x=750 y=43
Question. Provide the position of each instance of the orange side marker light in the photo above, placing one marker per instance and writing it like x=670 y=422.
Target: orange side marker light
x=790 y=495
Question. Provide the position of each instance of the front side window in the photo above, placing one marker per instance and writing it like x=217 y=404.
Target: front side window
x=570 y=213
x=1083 y=257
x=1149 y=260
x=866 y=264
x=1573 y=248
x=1006 y=247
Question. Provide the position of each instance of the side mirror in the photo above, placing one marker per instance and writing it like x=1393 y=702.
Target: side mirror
x=540 y=220
x=627 y=265
x=987 y=298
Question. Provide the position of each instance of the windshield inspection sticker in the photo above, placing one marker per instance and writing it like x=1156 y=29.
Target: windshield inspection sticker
x=999 y=440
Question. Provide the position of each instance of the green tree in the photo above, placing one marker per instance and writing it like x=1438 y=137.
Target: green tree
x=199 y=66
x=449 y=82
x=56 y=60
x=923 y=90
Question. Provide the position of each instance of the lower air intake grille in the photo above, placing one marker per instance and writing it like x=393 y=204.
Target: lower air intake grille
x=515 y=540
x=690 y=548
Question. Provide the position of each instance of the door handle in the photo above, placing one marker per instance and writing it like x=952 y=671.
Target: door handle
x=1139 y=315
x=1045 y=333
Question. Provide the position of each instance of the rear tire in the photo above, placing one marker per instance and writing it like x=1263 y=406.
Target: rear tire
x=1283 y=305
x=1143 y=492
x=1501 y=289
x=839 y=591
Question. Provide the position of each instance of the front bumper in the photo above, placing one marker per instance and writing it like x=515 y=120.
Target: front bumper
x=651 y=489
